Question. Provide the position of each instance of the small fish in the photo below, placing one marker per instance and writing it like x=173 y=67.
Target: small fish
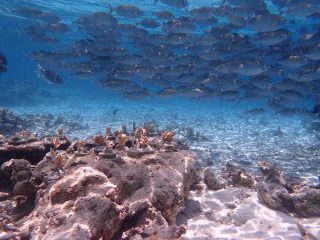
x=3 y=69
x=175 y=3
x=256 y=111
x=114 y=112
x=164 y=15
x=149 y=23
x=278 y=132
x=3 y=63
x=127 y=10
x=3 y=59
x=50 y=76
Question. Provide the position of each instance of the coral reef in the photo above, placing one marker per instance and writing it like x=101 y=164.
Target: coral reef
x=133 y=185
x=167 y=136
x=101 y=195
x=25 y=145
x=231 y=175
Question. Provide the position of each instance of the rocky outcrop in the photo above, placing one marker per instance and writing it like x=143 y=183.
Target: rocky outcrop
x=287 y=196
x=29 y=148
x=90 y=197
x=229 y=176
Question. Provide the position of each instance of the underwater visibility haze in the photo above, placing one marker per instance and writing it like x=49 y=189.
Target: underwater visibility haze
x=236 y=81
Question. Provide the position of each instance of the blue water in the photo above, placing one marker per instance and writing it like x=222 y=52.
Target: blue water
x=231 y=134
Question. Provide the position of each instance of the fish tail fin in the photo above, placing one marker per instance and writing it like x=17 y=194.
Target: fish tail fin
x=111 y=9
x=39 y=67
x=39 y=71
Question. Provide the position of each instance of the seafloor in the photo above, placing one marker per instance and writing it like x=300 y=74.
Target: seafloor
x=216 y=133
x=217 y=136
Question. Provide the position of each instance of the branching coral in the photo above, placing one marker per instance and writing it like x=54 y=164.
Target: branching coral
x=56 y=142
x=167 y=136
x=143 y=142
x=60 y=131
x=59 y=158
x=100 y=140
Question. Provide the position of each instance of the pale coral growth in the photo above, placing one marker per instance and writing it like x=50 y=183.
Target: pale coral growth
x=60 y=131
x=56 y=142
x=143 y=142
x=60 y=159
x=167 y=136
x=122 y=140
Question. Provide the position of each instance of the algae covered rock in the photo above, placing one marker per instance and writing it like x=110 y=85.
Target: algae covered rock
x=107 y=198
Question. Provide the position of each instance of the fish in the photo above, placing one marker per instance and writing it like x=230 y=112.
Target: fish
x=293 y=61
x=230 y=96
x=40 y=35
x=49 y=75
x=251 y=68
x=149 y=23
x=28 y=12
x=179 y=26
x=3 y=60
x=256 y=111
x=265 y=22
x=168 y=92
x=313 y=53
x=164 y=15
x=301 y=10
x=291 y=95
x=49 y=17
x=97 y=23
x=136 y=93
x=115 y=111
x=127 y=10
x=201 y=13
x=175 y=3
x=231 y=50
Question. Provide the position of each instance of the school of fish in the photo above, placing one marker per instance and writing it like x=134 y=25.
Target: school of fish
x=232 y=50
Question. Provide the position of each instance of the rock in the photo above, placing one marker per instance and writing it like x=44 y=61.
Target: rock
x=107 y=154
x=213 y=181
x=230 y=176
x=98 y=149
x=34 y=152
x=134 y=152
x=22 y=183
x=16 y=141
x=170 y=147
x=238 y=177
x=112 y=199
x=139 y=152
x=277 y=193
